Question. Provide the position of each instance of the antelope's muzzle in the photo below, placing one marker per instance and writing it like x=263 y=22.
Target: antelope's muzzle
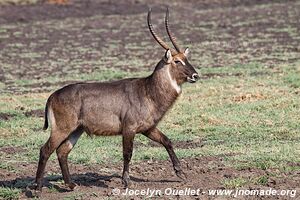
x=193 y=78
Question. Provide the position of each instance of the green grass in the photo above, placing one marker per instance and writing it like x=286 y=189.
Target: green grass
x=6 y=166
x=74 y=196
x=293 y=79
x=240 y=182
x=255 y=118
x=234 y=183
x=262 y=180
x=17 y=2
x=9 y=194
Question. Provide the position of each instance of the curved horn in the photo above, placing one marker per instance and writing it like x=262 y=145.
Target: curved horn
x=172 y=38
x=158 y=39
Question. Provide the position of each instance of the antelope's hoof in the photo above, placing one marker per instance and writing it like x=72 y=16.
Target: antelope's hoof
x=37 y=193
x=71 y=185
x=126 y=182
x=181 y=175
x=37 y=187
x=33 y=190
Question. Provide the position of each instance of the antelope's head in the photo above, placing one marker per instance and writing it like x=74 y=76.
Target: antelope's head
x=179 y=67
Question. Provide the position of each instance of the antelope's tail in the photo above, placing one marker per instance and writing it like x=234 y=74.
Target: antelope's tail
x=46 y=117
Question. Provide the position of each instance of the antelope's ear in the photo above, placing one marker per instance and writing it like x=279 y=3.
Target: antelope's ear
x=186 y=52
x=168 y=56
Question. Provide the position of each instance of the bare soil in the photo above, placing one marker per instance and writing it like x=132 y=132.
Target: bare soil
x=35 y=113
x=99 y=180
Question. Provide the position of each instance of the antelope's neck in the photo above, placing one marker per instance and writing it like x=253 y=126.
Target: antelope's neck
x=164 y=90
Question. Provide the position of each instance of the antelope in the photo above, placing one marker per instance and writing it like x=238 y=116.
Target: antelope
x=125 y=107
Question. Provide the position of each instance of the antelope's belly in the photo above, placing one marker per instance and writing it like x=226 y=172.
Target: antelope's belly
x=106 y=126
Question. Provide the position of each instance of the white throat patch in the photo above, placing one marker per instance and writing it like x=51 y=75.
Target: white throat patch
x=173 y=82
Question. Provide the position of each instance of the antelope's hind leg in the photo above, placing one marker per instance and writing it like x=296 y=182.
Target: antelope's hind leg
x=56 y=138
x=62 y=154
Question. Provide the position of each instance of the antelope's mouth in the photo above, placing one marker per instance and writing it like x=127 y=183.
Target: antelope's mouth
x=193 y=78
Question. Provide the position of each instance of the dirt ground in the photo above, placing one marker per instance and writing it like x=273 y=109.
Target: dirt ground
x=98 y=180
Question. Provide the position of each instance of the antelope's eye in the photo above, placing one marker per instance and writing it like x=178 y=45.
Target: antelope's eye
x=177 y=61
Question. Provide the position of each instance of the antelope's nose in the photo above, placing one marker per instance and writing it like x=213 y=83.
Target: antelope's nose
x=195 y=76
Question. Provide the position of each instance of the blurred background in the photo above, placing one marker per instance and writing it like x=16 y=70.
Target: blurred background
x=60 y=38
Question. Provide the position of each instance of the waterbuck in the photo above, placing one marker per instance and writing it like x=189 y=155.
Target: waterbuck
x=124 y=107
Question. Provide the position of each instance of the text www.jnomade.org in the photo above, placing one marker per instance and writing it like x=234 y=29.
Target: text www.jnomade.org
x=198 y=192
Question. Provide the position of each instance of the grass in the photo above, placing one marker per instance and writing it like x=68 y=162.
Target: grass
x=17 y=2
x=293 y=78
x=234 y=183
x=9 y=194
x=239 y=182
x=74 y=197
x=249 y=117
x=6 y=166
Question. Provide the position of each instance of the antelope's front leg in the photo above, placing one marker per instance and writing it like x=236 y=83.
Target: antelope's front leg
x=127 y=153
x=157 y=136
